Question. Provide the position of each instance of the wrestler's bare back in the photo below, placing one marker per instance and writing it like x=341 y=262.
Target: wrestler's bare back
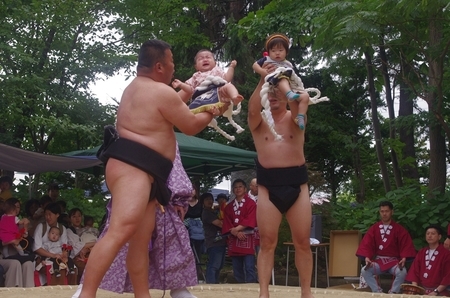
x=147 y=114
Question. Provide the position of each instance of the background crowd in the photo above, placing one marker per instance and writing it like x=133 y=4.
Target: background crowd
x=217 y=227
x=41 y=242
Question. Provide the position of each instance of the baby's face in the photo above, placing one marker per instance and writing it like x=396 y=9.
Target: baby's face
x=53 y=235
x=205 y=61
x=278 y=53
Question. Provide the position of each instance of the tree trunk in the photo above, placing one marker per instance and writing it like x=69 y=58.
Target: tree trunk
x=390 y=105
x=434 y=98
x=360 y=191
x=406 y=134
x=376 y=122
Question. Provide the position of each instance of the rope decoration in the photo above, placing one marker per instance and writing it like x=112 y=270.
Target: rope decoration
x=229 y=113
x=296 y=86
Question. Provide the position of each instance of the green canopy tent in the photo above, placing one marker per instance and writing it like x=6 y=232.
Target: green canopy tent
x=199 y=157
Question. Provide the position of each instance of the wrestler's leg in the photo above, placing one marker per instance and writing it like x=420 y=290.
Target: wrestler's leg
x=230 y=91
x=137 y=257
x=130 y=189
x=299 y=218
x=268 y=232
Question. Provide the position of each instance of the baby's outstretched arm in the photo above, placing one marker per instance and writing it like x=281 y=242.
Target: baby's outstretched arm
x=186 y=90
x=259 y=70
x=230 y=72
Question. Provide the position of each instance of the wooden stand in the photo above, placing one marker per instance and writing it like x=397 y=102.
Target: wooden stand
x=343 y=246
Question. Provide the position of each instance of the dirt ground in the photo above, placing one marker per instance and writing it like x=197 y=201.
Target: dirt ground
x=201 y=291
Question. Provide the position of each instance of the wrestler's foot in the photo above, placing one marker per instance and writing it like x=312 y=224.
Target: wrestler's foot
x=236 y=100
x=181 y=293
x=292 y=96
x=78 y=292
x=307 y=295
x=301 y=121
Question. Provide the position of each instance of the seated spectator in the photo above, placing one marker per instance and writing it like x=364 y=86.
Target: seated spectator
x=39 y=214
x=13 y=229
x=61 y=250
x=385 y=248
x=64 y=217
x=215 y=244
x=76 y=217
x=5 y=188
x=80 y=252
x=31 y=206
x=81 y=249
x=52 y=212
x=431 y=267
x=88 y=233
x=447 y=241
x=17 y=274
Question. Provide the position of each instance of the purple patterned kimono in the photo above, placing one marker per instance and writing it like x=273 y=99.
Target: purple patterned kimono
x=172 y=263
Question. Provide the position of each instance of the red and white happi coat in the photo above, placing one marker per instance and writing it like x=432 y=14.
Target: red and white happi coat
x=431 y=268
x=240 y=213
x=386 y=245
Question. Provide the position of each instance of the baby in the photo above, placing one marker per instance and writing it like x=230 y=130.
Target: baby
x=88 y=233
x=61 y=250
x=10 y=233
x=219 y=91
x=277 y=47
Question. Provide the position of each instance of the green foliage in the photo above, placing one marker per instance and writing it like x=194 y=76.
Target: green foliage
x=94 y=206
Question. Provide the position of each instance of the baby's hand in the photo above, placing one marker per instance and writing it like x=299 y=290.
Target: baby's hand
x=233 y=63
x=176 y=83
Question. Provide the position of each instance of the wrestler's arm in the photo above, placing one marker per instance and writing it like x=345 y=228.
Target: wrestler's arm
x=254 y=107
x=177 y=112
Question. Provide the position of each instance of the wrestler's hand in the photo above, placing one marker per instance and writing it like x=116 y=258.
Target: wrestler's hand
x=269 y=67
x=447 y=243
x=224 y=108
x=214 y=111
x=233 y=63
x=180 y=211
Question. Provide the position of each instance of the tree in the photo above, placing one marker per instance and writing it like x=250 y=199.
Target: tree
x=52 y=51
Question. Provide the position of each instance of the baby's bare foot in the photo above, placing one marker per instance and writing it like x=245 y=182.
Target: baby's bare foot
x=237 y=99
